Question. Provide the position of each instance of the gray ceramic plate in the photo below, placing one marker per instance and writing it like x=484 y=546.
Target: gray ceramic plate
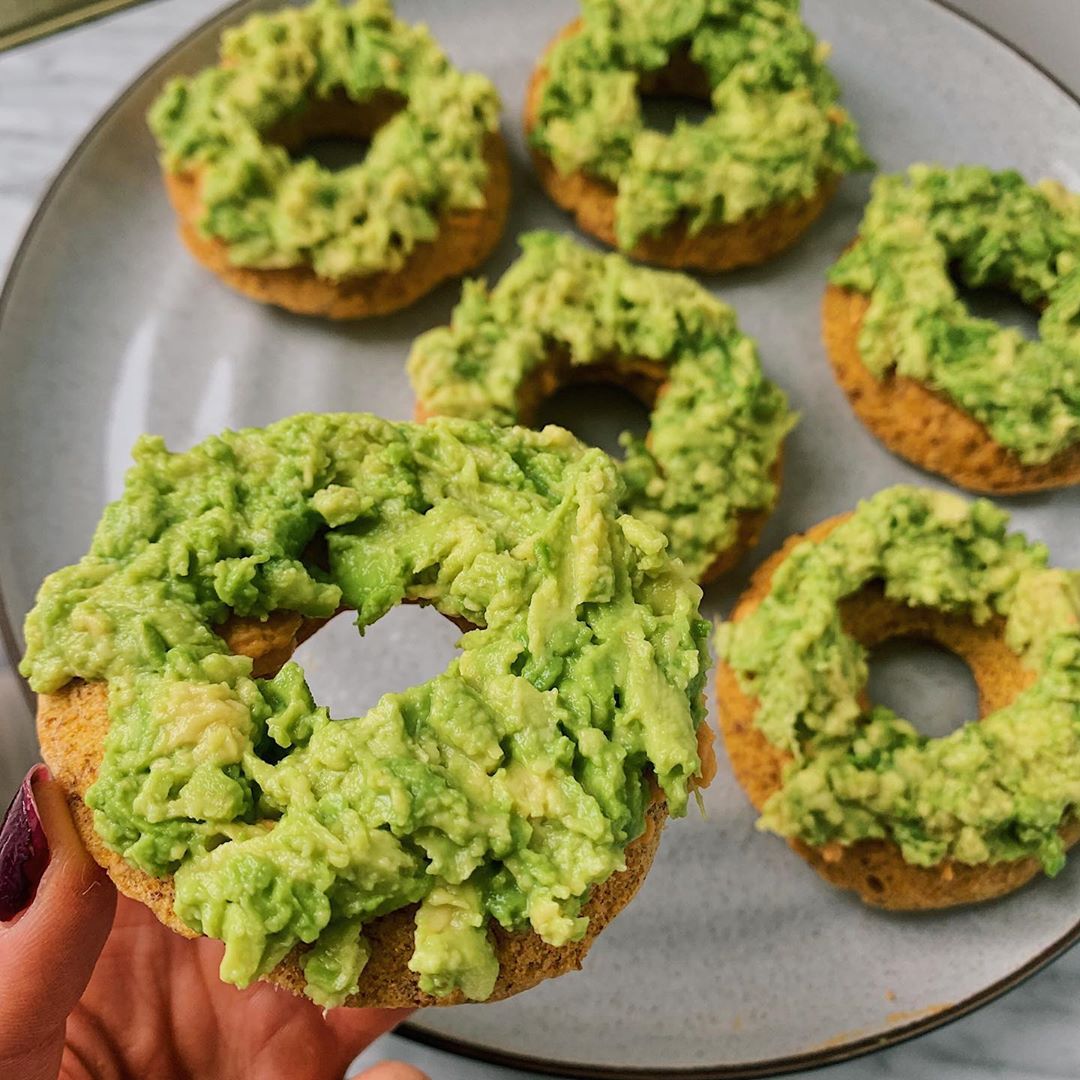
x=735 y=959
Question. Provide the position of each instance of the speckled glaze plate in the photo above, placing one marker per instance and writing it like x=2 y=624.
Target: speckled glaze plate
x=735 y=960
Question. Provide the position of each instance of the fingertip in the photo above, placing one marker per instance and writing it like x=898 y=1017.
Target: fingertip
x=391 y=1070
x=69 y=861
x=70 y=898
x=56 y=817
x=61 y=907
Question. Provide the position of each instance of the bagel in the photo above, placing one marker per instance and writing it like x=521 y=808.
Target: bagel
x=708 y=472
x=117 y=647
x=876 y=867
x=713 y=196
x=954 y=394
x=72 y=725
x=428 y=202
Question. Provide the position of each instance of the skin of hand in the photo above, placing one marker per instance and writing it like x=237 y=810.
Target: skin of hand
x=95 y=988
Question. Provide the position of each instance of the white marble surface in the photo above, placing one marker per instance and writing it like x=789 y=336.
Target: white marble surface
x=50 y=93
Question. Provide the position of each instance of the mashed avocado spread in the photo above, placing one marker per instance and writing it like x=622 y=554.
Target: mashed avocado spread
x=775 y=132
x=504 y=788
x=991 y=791
x=715 y=432
x=989 y=229
x=273 y=212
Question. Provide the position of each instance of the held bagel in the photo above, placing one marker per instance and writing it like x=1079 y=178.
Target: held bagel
x=734 y=190
x=72 y=727
x=954 y=394
x=907 y=822
x=427 y=203
x=466 y=838
x=707 y=474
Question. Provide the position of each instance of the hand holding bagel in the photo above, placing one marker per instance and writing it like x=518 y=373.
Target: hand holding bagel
x=97 y=986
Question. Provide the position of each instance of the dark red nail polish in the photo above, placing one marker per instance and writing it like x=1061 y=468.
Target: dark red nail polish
x=24 y=849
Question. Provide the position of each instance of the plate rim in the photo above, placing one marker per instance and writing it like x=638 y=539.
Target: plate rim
x=834 y=1054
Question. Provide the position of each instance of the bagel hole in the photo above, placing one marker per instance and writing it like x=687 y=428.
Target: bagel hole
x=597 y=401
x=662 y=112
x=333 y=154
x=925 y=683
x=597 y=413
x=349 y=674
x=678 y=91
x=336 y=132
x=1000 y=306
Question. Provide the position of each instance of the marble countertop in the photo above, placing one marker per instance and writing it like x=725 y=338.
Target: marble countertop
x=50 y=93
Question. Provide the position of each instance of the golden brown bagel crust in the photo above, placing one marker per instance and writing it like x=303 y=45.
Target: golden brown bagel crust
x=876 y=869
x=747 y=242
x=73 y=722
x=647 y=381
x=923 y=426
x=466 y=238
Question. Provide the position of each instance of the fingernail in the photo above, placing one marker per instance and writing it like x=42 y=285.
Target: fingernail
x=24 y=849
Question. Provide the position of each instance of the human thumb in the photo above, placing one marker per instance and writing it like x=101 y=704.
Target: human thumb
x=391 y=1070
x=56 y=910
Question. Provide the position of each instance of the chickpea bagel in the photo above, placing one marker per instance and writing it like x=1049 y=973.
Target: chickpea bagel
x=464 y=838
x=712 y=196
x=958 y=395
x=428 y=201
x=72 y=725
x=707 y=474
x=845 y=816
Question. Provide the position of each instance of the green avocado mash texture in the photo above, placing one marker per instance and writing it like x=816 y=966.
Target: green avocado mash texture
x=716 y=431
x=990 y=229
x=505 y=788
x=775 y=131
x=273 y=212
x=993 y=790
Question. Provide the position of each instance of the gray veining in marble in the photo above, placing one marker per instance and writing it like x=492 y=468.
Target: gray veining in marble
x=49 y=94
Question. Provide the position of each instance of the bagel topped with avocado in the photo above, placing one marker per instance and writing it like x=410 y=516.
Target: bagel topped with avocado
x=909 y=821
x=462 y=840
